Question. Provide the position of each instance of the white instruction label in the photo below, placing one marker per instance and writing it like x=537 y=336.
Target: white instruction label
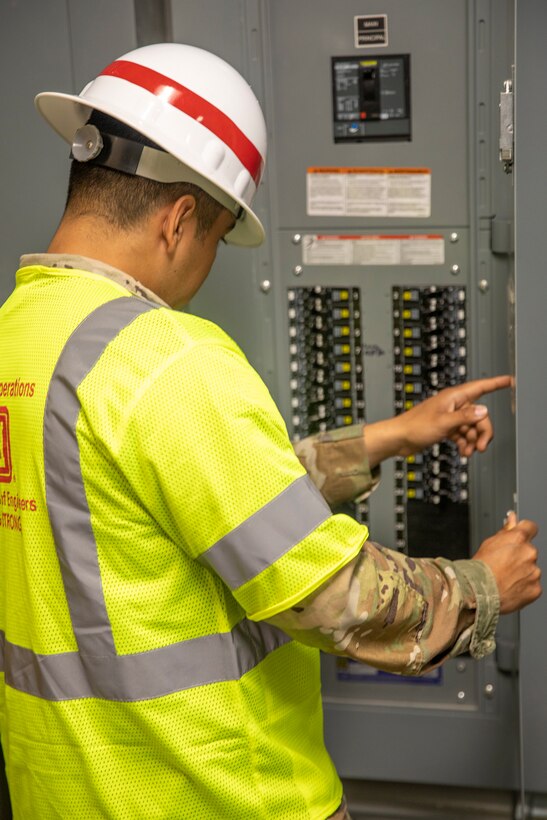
x=411 y=249
x=390 y=192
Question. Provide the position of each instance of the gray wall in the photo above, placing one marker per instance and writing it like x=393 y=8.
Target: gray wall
x=46 y=45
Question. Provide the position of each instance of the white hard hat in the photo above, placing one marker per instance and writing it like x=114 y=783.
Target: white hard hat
x=192 y=105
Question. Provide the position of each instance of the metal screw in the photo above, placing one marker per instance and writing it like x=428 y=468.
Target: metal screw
x=461 y=666
x=483 y=285
x=454 y=270
x=454 y=236
x=265 y=285
x=461 y=695
x=489 y=690
x=298 y=270
x=297 y=239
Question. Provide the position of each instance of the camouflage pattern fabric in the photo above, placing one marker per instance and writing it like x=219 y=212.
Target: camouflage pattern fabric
x=337 y=463
x=399 y=614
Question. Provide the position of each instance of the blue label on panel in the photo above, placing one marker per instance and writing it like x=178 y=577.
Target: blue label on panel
x=350 y=670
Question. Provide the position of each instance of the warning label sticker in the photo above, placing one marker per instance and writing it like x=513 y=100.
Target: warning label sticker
x=412 y=249
x=388 y=192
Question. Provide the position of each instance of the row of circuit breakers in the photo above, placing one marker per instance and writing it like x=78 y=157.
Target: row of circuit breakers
x=431 y=499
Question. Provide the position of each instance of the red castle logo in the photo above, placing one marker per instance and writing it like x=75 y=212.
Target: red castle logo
x=5 y=448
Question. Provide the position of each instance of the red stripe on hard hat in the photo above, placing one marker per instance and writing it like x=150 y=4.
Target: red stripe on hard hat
x=193 y=106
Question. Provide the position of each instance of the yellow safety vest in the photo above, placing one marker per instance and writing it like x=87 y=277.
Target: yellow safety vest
x=153 y=515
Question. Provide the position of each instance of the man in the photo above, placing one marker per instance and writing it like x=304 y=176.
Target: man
x=169 y=568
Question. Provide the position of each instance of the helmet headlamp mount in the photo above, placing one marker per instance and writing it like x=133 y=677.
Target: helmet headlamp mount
x=87 y=143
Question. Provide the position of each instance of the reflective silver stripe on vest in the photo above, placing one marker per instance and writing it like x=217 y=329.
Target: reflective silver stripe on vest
x=153 y=674
x=96 y=670
x=65 y=493
x=268 y=534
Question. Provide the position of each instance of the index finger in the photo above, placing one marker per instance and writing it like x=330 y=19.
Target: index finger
x=475 y=389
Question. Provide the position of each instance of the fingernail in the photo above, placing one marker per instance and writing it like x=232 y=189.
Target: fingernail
x=480 y=410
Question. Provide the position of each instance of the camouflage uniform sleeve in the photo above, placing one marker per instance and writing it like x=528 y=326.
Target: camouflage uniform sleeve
x=399 y=614
x=337 y=463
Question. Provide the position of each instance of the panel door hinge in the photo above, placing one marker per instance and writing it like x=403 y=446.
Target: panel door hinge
x=506 y=127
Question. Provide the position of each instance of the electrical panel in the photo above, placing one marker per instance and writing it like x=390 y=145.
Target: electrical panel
x=378 y=286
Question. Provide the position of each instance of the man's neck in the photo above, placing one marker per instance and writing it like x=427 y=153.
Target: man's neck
x=93 y=237
x=86 y=263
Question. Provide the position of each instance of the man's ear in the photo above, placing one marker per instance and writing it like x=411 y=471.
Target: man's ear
x=177 y=220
